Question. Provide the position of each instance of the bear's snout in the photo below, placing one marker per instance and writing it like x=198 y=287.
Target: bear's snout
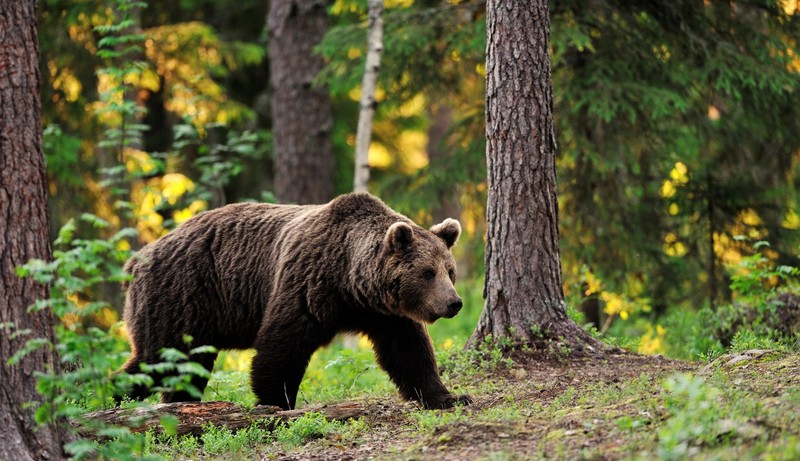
x=453 y=307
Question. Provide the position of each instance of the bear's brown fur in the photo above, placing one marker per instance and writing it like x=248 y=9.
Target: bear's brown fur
x=285 y=280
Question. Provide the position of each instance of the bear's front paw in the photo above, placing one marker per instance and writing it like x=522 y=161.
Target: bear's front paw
x=446 y=401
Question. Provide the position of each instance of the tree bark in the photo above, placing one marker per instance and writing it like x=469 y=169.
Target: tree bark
x=23 y=235
x=367 y=105
x=523 y=286
x=301 y=111
x=194 y=416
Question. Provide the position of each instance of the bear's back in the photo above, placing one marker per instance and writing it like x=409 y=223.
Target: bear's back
x=214 y=269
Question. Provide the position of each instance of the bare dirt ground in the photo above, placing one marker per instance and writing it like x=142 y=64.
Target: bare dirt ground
x=518 y=415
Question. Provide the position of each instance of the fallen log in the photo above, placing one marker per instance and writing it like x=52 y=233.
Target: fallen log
x=192 y=417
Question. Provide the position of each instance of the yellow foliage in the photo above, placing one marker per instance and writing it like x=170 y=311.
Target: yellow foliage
x=791 y=220
x=653 y=341
x=678 y=176
x=123 y=245
x=414 y=145
x=413 y=106
x=592 y=283
x=379 y=155
x=679 y=173
x=137 y=161
x=364 y=343
x=673 y=246
x=174 y=185
x=749 y=217
x=195 y=207
x=236 y=360
x=617 y=304
x=65 y=81
x=790 y=6
x=106 y=317
x=157 y=191
x=667 y=189
x=355 y=94
x=353 y=53
x=614 y=303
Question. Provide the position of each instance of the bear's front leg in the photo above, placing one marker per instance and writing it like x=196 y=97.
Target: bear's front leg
x=284 y=346
x=403 y=348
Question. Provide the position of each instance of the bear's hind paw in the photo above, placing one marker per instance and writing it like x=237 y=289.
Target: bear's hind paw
x=446 y=401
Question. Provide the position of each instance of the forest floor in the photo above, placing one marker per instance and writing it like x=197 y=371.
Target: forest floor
x=623 y=406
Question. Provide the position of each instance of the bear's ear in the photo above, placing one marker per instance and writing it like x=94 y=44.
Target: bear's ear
x=398 y=236
x=448 y=230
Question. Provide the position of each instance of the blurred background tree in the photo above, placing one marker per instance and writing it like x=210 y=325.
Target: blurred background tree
x=677 y=128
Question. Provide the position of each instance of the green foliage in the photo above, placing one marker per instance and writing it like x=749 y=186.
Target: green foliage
x=308 y=427
x=427 y=422
x=340 y=373
x=750 y=280
x=231 y=386
x=219 y=161
x=746 y=339
x=217 y=440
x=694 y=412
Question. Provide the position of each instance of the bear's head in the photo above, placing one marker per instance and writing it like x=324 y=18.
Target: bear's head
x=421 y=270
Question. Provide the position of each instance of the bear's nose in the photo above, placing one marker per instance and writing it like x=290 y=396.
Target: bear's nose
x=454 y=306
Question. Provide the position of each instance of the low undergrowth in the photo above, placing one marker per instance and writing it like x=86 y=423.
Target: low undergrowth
x=618 y=407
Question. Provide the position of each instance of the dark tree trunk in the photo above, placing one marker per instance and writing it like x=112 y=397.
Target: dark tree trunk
x=301 y=111
x=23 y=235
x=447 y=205
x=523 y=287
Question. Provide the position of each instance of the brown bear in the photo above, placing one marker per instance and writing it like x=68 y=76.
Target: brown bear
x=285 y=279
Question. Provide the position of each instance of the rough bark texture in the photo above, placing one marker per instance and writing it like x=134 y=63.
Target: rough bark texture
x=523 y=287
x=367 y=106
x=301 y=111
x=194 y=416
x=23 y=235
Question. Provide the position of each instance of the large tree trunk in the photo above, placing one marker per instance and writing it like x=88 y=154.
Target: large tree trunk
x=301 y=111
x=523 y=287
x=23 y=235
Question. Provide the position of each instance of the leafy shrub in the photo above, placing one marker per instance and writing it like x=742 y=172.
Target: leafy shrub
x=308 y=427
x=218 y=439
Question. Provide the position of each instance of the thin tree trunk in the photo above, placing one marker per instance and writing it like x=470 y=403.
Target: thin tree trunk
x=523 y=287
x=367 y=107
x=301 y=111
x=712 y=254
x=23 y=235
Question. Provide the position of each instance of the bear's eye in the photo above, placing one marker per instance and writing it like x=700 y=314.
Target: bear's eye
x=452 y=274
x=429 y=274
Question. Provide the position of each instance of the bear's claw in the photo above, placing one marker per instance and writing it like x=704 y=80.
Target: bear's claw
x=446 y=401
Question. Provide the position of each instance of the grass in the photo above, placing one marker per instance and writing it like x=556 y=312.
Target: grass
x=619 y=408
x=614 y=410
